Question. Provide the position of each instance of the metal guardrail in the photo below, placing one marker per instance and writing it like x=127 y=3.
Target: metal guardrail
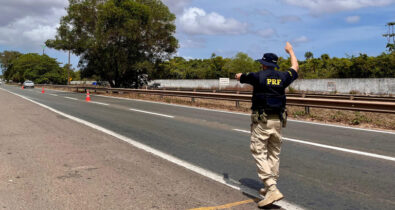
x=354 y=105
x=304 y=95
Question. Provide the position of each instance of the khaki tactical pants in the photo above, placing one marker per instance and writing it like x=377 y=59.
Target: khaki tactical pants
x=265 y=147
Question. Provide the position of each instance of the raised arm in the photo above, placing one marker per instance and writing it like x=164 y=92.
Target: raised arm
x=294 y=60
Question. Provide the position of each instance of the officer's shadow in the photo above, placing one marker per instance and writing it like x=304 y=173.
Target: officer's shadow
x=247 y=185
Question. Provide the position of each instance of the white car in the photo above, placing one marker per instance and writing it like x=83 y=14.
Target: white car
x=28 y=84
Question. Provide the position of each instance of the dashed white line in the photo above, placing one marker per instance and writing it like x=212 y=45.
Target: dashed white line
x=152 y=113
x=71 y=98
x=95 y=102
x=177 y=161
x=53 y=94
x=332 y=147
x=246 y=114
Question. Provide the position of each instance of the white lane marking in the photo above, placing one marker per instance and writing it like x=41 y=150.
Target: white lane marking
x=246 y=114
x=177 y=105
x=153 y=113
x=333 y=147
x=341 y=126
x=209 y=174
x=53 y=94
x=71 y=98
x=95 y=102
x=58 y=90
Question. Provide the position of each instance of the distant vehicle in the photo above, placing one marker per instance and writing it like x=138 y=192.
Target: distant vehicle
x=154 y=86
x=103 y=83
x=28 y=84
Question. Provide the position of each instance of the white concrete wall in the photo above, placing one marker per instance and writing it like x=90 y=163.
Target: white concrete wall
x=364 y=86
x=194 y=83
x=81 y=82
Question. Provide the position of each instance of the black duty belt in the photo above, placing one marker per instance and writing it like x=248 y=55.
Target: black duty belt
x=267 y=111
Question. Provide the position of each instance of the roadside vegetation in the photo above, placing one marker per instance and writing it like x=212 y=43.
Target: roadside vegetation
x=41 y=69
x=362 y=66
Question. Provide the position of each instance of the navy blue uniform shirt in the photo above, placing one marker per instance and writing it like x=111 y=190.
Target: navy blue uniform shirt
x=268 y=82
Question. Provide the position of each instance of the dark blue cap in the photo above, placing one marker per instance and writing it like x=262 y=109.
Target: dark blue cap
x=269 y=60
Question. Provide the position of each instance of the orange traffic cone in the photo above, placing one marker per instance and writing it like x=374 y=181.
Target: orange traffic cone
x=88 y=97
x=23 y=87
x=42 y=91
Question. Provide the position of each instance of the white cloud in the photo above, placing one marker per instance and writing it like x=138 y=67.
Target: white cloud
x=302 y=39
x=267 y=33
x=330 y=6
x=176 y=6
x=27 y=24
x=196 y=21
x=353 y=19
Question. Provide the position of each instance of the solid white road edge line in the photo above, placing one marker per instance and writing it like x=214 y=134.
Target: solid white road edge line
x=245 y=114
x=75 y=99
x=152 y=113
x=341 y=126
x=332 y=147
x=95 y=102
x=177 y=161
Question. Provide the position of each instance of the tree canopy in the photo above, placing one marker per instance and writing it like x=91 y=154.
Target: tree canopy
x=38 y=68
x=362 y=66
x=6 y=59
x=117 y=40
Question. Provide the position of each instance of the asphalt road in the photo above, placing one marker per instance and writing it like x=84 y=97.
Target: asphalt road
x=51 y=162
x=310 y=176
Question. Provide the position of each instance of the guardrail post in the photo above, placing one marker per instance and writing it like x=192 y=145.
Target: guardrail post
x=237 y=102
x=307 y=109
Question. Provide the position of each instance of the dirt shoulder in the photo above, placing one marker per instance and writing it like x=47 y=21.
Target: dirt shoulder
x=51 y=162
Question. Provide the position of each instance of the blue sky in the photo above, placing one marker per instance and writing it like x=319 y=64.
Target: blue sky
x=225 y=27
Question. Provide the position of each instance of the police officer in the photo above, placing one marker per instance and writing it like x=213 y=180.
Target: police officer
x=268 y=116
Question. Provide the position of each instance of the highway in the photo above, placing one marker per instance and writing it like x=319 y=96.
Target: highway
x=322 y=167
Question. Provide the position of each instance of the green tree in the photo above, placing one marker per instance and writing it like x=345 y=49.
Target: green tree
x=308 y=55
x=38 y=68
x=115 y=38
x=6 y=60
x=241 y=63
x=216 y=68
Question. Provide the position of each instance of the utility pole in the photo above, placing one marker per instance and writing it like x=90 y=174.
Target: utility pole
x=44 y=46
x=390 y=35
x=68 y=71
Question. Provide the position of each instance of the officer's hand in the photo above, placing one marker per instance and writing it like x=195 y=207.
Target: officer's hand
x=288 y=48
x=237 y=76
